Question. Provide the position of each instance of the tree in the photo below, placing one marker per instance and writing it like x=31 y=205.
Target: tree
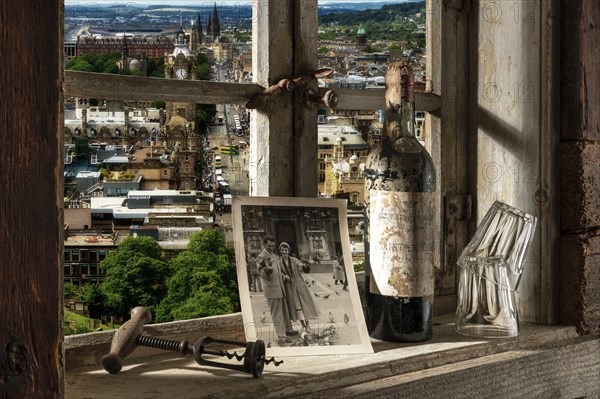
x=93 y=296
x=69 y=288
x=203 y=68
x=156 y=67
x=203 y=71
x=136 y=275
x=204 y=114
x=203 y=281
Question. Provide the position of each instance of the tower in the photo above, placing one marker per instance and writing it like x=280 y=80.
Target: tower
x=180 y=63
x=361 y=37
x=213 y=31
x=124 y=54
x=199 y=33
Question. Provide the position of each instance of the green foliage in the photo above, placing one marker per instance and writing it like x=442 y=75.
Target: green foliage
x=392 y=22
x=323 y=50
x=371 y=49
x=204 y=114
x=156 y=67
x=359 y=267
x=203 y=68
x=80 y=65
x=203 y=71
x=81 y=147
x=100 y=63
x=158 y=104
x=136 y=275
x=77 y=324
x=389 y=12
x=203 y=281
x=209 y=240
x=242 y=37
x=93 y=296
x=107 y=63
x=198 y=282
x=69 y=288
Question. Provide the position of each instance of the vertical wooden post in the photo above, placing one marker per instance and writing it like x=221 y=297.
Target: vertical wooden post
x=271 y=168
x=305 y=121
x=447 y=71
x=31 y=120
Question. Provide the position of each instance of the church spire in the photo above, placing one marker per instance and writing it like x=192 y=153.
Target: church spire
x=199 y=30
x=214 y=28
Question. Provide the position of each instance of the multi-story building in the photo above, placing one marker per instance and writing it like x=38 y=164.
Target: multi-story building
x=341 y=151
x=83 y=251
x=143 y=47
x=91 y=233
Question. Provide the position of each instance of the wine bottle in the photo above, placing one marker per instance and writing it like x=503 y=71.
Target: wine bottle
x=399 y=214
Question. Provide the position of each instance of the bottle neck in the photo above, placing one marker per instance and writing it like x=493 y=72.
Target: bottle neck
x=400 y=123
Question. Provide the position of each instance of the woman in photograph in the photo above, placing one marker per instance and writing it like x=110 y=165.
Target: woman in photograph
x=297 y=298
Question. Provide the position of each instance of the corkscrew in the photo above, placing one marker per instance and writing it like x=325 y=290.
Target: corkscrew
x=129 y=336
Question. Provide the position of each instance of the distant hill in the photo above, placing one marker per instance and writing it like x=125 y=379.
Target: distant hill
x=402 y=24
x=386 y=20
x=344 y=15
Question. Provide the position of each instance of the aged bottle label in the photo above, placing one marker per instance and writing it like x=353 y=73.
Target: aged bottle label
x=402 y=247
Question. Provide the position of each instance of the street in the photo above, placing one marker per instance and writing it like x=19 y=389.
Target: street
x=235 y=167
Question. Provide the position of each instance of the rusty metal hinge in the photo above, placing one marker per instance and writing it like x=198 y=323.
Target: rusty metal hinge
x=459 y=5
x=310 y=99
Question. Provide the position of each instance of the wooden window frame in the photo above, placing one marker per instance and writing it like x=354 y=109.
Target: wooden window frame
x=39 y=236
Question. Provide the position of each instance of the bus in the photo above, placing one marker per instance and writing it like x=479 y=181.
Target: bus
x=233 y=149
x=223 y=187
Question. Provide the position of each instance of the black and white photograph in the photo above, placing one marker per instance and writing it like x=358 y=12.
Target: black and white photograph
x=296 y=278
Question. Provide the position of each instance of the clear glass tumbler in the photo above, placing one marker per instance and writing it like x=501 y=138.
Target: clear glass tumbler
x=490 y=268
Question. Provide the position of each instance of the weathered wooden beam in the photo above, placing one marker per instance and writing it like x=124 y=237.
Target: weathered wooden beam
x=374 y=99
x=119 y=87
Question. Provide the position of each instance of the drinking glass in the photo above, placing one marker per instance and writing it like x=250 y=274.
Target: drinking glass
x=490 y=268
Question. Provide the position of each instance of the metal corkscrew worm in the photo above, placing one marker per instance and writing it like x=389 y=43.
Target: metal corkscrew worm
x=129 y=336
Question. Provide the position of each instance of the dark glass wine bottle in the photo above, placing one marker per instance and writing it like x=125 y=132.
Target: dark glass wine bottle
x=399 y=215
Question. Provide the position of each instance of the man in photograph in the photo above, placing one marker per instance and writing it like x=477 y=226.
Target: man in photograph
x=272 y=285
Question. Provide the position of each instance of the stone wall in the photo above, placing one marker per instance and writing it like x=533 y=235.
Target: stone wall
x=579 y=166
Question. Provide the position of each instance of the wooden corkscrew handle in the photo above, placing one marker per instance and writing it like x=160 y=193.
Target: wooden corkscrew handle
x=124 y=340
